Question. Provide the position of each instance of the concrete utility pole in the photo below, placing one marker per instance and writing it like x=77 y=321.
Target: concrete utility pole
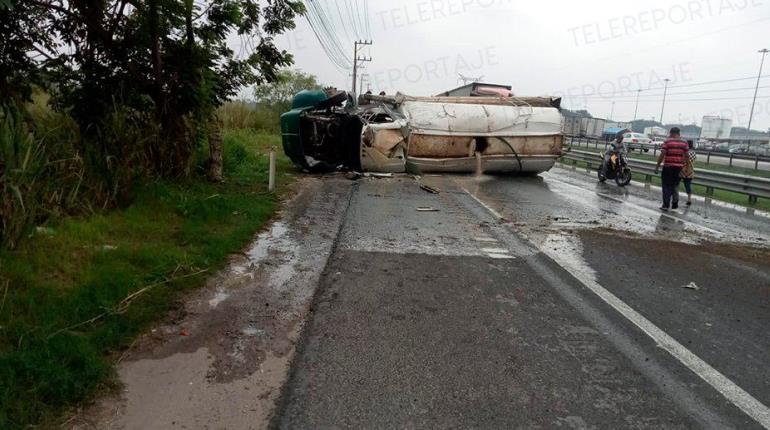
x=751 y=114
x=636 y=108
x=356 y=59
x=364 y=77
x=665 y=88
x=612 y=111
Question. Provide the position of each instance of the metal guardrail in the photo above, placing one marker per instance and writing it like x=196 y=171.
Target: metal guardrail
x=599 y=143
x=751 y=186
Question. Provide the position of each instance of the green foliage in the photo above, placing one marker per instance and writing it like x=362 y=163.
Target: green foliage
x=240 y=114
x=277 y=95
x=169 y=58
x=272 y=100
x=48 y=359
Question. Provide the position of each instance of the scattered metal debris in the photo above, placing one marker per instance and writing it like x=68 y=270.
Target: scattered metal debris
x=691 y=286
x=430 y=189
x=353 y=175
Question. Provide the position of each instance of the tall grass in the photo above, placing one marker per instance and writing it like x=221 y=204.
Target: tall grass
x=41 y=172
x=53 y=351
x=243 y=115
x=47 y=169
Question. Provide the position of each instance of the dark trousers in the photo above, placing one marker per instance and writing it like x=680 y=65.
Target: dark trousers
x=669 y=176
x=687 y=185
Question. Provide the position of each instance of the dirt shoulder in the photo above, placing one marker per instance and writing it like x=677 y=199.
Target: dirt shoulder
x=220 y=360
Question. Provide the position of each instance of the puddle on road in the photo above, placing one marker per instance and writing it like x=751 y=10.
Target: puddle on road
x=262 y=245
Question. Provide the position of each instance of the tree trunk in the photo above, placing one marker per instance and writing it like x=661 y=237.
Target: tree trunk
x=215 y=149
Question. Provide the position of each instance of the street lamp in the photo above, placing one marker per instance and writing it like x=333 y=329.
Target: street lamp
x=751 y=114
x=665 y=88
x=636 y=108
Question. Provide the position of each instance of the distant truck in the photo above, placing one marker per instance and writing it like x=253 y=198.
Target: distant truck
x=655 y=131
x=592 y=127
x=715 y=127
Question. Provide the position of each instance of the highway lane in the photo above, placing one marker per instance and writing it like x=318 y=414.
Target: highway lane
x=485 y=309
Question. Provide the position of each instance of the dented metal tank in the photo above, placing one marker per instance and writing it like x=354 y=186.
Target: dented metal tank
x=431 y=134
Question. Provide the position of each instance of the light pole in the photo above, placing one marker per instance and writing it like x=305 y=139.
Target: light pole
x=751 y=114
x=665 y=88
x=636 y=108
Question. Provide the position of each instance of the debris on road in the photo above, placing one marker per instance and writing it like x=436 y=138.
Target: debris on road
x=429 y=189
x=691 y=286
x=426 y=209
x=353 y=175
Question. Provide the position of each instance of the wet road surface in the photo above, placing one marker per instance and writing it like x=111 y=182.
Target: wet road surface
x=500 y=302
x=478 y=314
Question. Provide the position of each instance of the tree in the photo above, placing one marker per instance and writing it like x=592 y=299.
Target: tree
x=278 y=94
x=167 y=57
x=25 y=41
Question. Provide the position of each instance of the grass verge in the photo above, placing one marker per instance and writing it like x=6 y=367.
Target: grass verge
x=81 y=288
x=698 y=190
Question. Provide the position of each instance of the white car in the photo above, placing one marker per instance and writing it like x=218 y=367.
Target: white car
x=637 y=141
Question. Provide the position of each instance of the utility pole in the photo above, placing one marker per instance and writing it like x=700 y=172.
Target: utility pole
x=665 y=88
x=356 y=59
x=612 y=111
x=364 y=77
x=636 y=108
x=761 y=63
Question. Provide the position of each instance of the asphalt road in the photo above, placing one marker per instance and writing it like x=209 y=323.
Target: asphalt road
x=551 y=301
x=538 y=302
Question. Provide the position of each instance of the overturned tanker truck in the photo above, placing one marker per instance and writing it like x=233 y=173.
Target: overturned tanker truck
x=494 y=134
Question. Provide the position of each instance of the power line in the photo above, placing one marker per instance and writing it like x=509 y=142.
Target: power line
x=337 y=25
x=710 y=82
x=722 y=90
x=709 y=91
x=608 y=100
x=319 y=23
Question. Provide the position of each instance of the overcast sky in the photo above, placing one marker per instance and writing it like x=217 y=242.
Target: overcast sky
x=590 y=53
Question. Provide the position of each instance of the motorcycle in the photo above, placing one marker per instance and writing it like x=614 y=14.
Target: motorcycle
x=617 y=168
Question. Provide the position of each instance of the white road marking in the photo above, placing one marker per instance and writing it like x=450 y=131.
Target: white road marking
x=643 y=208
x=501 y=256
x=731 y=391
x=485 y=239
x=495 y=250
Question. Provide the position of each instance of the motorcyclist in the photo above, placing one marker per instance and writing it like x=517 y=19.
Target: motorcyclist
x=616 y=147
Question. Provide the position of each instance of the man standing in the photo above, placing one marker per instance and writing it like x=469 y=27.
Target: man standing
x=673 y=153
